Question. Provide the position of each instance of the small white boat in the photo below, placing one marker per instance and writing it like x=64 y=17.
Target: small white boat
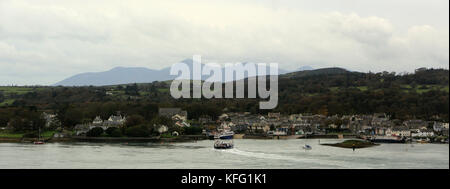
x=307 y=147
x=39 y=141
x=422 y=141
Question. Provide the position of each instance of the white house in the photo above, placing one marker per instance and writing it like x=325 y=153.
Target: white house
x=97 y=120
x=423 y=133
x=178 y=117
x=398 y=132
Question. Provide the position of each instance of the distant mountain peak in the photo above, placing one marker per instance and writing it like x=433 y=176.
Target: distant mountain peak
x=125 y=75
x=115 y=76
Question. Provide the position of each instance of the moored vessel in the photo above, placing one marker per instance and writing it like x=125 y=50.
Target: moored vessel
x=39 y=141
x=422 y=141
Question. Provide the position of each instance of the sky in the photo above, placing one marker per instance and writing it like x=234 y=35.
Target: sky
x=45 y=41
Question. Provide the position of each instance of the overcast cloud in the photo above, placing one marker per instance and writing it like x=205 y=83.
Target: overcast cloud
x=43 y=42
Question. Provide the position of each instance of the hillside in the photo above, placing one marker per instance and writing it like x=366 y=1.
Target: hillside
x=423 y=94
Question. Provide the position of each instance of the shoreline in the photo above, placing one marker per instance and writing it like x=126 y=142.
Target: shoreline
x=183 y=138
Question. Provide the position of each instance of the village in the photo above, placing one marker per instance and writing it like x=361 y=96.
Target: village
x=277 y=126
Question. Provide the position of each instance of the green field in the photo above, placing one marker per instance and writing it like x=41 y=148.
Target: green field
x=424 y=88
x=8 y=93
x=7 y=102
x=406 y=88
x=16 y=90
x=163 y=90
x=336 y=89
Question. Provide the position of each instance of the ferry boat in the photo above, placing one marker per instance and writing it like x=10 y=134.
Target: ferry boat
x=387 y=139
x=223 y=144
x=224 y=135
x=224 y=132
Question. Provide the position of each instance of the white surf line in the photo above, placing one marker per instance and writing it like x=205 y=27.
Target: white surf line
x=280 y=157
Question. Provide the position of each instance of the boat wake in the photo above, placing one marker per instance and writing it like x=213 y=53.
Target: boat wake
x=260 y=155
x=310 y=162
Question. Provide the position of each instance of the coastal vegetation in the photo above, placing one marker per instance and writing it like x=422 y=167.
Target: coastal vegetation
x=332 y=91
x=353 y=144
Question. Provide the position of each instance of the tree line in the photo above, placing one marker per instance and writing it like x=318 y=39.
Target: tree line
x=420 y=95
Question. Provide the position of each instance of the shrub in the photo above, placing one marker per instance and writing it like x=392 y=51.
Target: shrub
x=138 y=131
x=95 y=132
x=116 y=133
x=113 y=132
x=193 y=130
x=109 y=130
x=167 y=135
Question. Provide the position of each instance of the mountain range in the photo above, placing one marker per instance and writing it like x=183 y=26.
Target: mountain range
x=126 y=75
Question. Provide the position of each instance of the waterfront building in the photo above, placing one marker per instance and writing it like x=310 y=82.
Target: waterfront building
x=97 y=121
x=422 y=133
x=399 y=132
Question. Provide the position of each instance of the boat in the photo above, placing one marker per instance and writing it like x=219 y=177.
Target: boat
x=224 y=132
x=223 y=144
x=224 y=135
x=307 y=147
x=39 y=141
x=422 y=141
x=387 y=139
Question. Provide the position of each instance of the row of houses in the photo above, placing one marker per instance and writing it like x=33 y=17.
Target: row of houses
x=375 y=124
x=279 y=124
x=178 y=116
x=113 y=121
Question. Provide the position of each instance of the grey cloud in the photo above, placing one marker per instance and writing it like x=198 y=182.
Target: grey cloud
x=41 y=43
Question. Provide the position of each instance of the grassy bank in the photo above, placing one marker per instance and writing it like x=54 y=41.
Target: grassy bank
x=7 y=134
x=10 y=134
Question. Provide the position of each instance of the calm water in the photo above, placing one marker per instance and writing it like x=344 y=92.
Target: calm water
x=246 y=154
